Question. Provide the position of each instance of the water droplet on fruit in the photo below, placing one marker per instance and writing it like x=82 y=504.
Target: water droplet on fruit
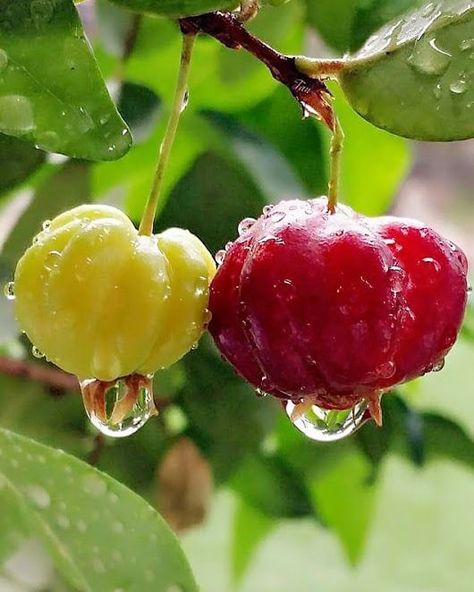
x=121 y=407
x=46 y=225
x=9 y=291
x=469 y=289
x=52 y=260
x=245 y=225
x=260 y=393
x=37 y=353
x=265 y=384
x=323 y=425
x=228 y=245
x=438 y=366
x=277 y=216
x=220 y=256
x=386 y=370
x=432 y=263
x=397 y=276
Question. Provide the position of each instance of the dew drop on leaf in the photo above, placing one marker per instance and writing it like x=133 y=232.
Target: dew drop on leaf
x=323 y=425
x=428 y=57
x=121 y=407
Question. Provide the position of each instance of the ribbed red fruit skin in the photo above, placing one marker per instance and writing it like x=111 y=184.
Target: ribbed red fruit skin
x=336 y=307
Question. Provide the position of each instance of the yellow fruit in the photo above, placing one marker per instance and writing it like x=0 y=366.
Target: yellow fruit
x=101 y=301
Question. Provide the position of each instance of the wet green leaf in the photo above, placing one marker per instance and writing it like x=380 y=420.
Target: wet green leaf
x=414 y=76
x=177 y=8
x=101 y=535
x=18 y=160
x=52 y=93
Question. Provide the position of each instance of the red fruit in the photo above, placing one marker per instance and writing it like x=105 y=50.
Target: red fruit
x=335 y=308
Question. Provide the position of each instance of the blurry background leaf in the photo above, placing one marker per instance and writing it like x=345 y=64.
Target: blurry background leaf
x=18 y=160
x=344 y=498
x=63 y=189
x=176 y=8
x=249 y=529
x=61 y=105
x=140 y=107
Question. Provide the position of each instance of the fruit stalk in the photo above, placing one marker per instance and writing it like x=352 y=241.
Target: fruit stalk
x=335 y=153
x=179 y=101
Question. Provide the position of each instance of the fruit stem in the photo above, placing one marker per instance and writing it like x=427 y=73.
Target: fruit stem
x=335 y=152
x=316 y=68
x=179 y=102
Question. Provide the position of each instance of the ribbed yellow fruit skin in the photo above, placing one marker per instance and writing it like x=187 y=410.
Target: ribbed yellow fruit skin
x=101 y=301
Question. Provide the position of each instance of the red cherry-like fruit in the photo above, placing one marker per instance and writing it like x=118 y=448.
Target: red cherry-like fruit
x=333 y=308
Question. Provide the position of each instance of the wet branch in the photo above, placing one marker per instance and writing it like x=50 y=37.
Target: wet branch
x=311 y=93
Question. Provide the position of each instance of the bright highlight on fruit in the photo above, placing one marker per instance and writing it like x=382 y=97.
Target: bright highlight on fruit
x=329 y=311
x=105 y=303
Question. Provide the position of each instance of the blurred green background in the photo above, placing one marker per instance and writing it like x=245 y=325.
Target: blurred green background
x=257 y=507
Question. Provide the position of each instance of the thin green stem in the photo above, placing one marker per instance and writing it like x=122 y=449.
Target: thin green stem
x=146 y=224
x=335 y=153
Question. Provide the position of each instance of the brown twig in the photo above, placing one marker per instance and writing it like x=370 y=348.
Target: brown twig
x=51 y=377
x=311 y=93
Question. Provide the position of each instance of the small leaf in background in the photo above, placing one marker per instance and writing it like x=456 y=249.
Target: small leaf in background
x=52 y=93
x=344 y=499
x=100 y=535
x=184 y=486
x=373 y=162
x=64 y=188
x=333 y=20
x=176 y=8
x=250 y=528
x=114 y=25
x=18 y=160
x=414 y=76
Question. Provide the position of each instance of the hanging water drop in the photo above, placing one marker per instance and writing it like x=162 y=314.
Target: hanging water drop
x=438 y=366
x=9 y=291
x=268 y=208
x=323 y=425
x=121 y=407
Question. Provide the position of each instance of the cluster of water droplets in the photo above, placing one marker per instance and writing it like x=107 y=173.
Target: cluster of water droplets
x=121 y=407
x=324 y=425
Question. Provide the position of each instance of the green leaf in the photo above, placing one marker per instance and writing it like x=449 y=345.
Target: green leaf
x=101 y=535
x=176 y=8
x=414 y=76
x=278 y=119
x=65 y=188
x=250 y=528
x=370 y=16
x=344 y=499
x=140 y=108
x=212 y=199
x=18 y=160
x=52 y=93
x=374 y=162
x=214 y=396
x=270 y=485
